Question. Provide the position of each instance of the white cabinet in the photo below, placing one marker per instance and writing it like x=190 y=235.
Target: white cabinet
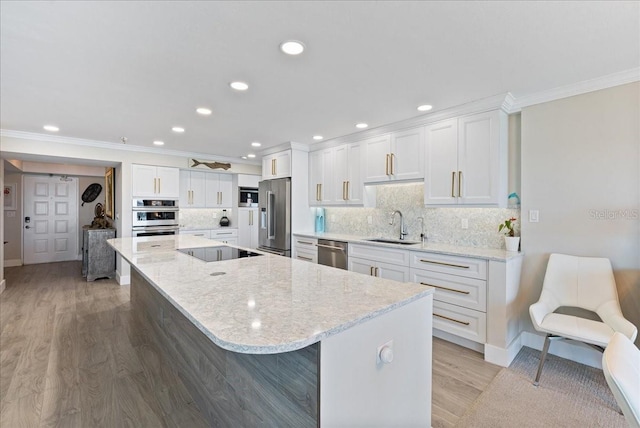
x=228 y=236
x=203 y=233
x=248 y=227
x=382 y=262
x=321 y=180
x=192 y=189
x=335 y=176
x=396 y=156
x=155 y=181
x=460 y=300
x=219 y=190
x=277 y=165
x=466 y=161
x=305 y=249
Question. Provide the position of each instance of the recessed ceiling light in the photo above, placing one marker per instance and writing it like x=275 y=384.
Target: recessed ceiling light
x=244 y=157
x=203 y=111
x=239 y=86
x=361 y=125
x=51 y=128
x=425 y=107
x=177 y=129
x=318 y=137
x=158 y=143
x=251 y=155
x=256 y=144
x=292 y=47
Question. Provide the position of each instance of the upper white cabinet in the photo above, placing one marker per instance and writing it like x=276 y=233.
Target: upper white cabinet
x=466 y=161
x=396 y=156
x=219 y=190
x=192 y=189
x=335 y=176
x=277 y=165
x=155 y=181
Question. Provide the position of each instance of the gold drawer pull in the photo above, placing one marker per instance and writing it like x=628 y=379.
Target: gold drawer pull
x=305 y=242
x=444 y=264
x=450 y=319
x=305 y=258
x=445 y=288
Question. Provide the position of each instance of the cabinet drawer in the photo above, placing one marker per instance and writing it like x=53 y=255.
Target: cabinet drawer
x=454 y=265
x=223 y=233
x=305 y=255
x=466 y=292
x=303 y=242
x=380 y=254
x=202 y=233
x=460 y=321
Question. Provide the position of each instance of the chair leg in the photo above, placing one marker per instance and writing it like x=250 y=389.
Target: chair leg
x=543 y=356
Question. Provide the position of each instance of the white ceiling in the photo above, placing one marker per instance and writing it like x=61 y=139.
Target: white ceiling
x=103 y=70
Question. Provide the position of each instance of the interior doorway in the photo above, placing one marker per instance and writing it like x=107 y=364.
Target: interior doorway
x=50 y=218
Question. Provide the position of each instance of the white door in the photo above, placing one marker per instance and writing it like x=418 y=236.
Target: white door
x=361 y=266
x=377 y=158
x=168 y=182
x=144 y=182
x=407 y=154
x=441 y=163
x=394 y=272
x=50 y=219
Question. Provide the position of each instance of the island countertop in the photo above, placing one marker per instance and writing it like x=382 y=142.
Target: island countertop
x=261 y=305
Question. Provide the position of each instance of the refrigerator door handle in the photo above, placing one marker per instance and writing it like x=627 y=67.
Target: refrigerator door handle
x=271 y=215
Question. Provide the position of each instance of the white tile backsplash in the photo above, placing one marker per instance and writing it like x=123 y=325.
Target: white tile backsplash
x=202 y=218
x=441 y=225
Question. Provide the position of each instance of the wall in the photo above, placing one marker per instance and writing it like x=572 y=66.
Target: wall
x=13 y=225
x=581 y=162
x=441 y=225
x=2 y=280
x=86 y=213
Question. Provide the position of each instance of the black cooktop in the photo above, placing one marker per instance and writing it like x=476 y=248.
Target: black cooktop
x=217 y=254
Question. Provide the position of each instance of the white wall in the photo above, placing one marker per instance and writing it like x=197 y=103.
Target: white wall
x=580 y=161
x=2 y=280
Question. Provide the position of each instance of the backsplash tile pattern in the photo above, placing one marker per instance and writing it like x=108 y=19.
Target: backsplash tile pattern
x=441 y=225
x=202 y=218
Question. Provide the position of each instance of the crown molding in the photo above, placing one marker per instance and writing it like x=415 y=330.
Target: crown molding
x=285 y=146
x=604 y=82
x=8 y=133
x=502 y=102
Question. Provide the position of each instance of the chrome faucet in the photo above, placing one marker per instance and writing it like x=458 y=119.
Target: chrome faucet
x=403 y=230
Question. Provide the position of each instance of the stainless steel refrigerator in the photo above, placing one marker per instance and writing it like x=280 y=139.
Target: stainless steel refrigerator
x=274 y=204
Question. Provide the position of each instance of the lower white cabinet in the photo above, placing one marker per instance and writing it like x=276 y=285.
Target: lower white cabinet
x=248 y=227
x=458 y=320
x=228 y=236
x=382 y=262
x=305 y=249
x=203 y=233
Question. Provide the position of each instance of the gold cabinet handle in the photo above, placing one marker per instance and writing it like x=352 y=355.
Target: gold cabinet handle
x=305 y=242
x=386 y=166
x=275 y=167
x=393 y=159
x=450 y=319
x=305 y=258
x=155 y=185
x=344 y=190
x=377 y=272
x=445 y=288
x=348 y=183
x=459 y=183
x=444 y=264
x=159 y=191
x=453 y=182
x=320 y=192
x=370 y=270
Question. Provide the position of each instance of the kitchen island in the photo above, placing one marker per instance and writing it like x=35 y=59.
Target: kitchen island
x=270 y=341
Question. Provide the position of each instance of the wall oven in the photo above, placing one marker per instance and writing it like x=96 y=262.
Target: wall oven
x=153 y=217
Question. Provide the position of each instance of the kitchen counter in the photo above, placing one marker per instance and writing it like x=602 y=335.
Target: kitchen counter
x=430 y=247
x=271 y=341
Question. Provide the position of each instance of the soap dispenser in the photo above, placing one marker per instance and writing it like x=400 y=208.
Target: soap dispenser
x=319 y=220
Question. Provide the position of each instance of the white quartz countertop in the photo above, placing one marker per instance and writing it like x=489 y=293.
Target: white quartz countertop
x=262 y=305
x=427 y=247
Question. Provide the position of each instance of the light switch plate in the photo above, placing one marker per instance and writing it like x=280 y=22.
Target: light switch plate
x=369 y=219
x=534 y=216
x=464 y=223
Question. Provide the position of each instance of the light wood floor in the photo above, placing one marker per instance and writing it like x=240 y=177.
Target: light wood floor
x=68 y=358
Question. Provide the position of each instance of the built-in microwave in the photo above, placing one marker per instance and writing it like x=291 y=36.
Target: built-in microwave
x=247 y=197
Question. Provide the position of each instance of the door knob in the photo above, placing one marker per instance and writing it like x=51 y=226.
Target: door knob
x=27 y=227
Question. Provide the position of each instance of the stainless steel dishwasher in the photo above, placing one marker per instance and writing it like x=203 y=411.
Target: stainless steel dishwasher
x=332 y=253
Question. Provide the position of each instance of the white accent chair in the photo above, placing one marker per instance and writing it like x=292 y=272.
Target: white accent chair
x=582 y=282
x=621 y=366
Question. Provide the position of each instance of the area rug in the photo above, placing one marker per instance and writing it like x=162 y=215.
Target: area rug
x=569 y=395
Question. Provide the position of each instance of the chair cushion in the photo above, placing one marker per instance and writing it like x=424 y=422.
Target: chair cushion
x=621 y=366
x=582 y=329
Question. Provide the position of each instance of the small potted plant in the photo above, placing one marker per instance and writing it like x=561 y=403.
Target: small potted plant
x=511 y=241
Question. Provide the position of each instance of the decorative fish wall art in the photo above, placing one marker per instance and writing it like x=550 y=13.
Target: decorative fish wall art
x=212 y=165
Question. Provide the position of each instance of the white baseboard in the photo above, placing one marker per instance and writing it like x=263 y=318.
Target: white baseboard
x=13 y=263
x=123 y=279
x=569 y=349
x=466 y=343
x=500 y=356
x=3 y=285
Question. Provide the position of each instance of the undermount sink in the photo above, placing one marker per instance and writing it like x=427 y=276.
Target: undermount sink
x=391 y=241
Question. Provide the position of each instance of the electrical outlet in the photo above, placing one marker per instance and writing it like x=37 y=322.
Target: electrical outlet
x=534 y=216
x=369 y=219
x=464 y=223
